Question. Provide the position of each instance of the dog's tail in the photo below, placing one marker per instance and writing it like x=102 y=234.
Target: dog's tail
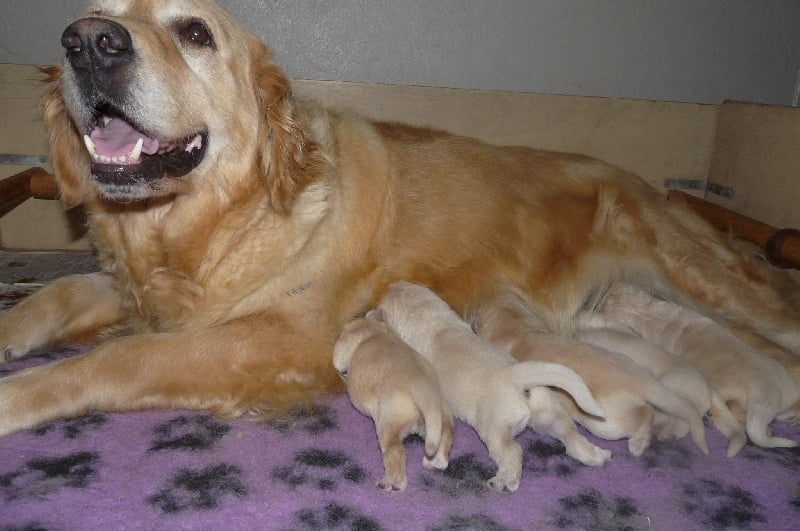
x=429 y=402
x=666 y=400
x=529 y=374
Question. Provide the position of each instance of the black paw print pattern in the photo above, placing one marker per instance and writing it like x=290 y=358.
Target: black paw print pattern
x=543 y=457
x=313 y=419
x=473 y=522
x=73 y=428
x=588 y=509
x=321 y=468
x=335 y=516
x=44 y=476
x=666 y=455
x=717 y=505
x=189 y=432
x=202 y=489
x=464 y=474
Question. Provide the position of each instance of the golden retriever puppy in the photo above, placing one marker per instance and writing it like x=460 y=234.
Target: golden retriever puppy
x=755 y=388
x=626 y=392
x=673 y=372
x=390 y=382
x=483 y=385
x=240 y=228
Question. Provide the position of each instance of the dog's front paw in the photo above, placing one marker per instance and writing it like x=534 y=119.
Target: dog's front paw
x=597 y=457
x=16 y=339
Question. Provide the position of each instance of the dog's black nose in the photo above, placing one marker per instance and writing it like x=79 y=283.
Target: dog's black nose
x=97 y=43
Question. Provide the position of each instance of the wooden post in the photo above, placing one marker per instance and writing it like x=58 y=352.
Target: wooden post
x=781 y=245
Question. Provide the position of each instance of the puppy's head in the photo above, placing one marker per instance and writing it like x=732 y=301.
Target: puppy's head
x=162 y=98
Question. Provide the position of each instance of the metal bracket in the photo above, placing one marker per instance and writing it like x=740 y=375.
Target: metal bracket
x=696 y=184
x=22 y=160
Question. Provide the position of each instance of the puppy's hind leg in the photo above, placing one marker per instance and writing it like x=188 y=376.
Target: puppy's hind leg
x=441 y=459
x=392 y=424
x=507 y=453
x=549 y=417
x=642 y=418
x=727 y=424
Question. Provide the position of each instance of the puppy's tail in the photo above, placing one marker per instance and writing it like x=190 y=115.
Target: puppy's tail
x=673 y=404
x=529 y=374
x=429 y=402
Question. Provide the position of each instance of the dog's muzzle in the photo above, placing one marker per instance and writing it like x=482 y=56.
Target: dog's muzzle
x=102 y=56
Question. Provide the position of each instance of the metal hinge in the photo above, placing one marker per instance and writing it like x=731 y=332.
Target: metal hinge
x=696 y=184
x=22 y=160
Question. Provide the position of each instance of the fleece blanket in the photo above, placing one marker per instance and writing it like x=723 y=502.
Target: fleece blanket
x=316 y=469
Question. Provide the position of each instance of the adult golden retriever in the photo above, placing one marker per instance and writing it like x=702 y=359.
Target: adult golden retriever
x=238 y=228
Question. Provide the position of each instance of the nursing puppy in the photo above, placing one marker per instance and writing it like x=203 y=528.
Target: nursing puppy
x=627 y=394
x=390 y=382
x=757 y=389
x=673 y=372
x=483 y=385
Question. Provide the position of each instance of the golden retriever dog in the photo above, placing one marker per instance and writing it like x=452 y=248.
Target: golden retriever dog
x=395 y=386
x=483 y=385
x=238 y=228
x=756 y=388
x=673 y=372
x=629 y=395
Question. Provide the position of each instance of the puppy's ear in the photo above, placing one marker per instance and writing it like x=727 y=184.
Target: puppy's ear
x=288 y=157
x=68 y=155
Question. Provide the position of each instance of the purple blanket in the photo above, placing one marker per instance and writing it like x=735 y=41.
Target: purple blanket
x=189 y=470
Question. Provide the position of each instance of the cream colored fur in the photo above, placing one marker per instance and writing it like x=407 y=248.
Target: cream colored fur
x=673 y=372
x=395 y=386
x=755 y=388
x=483 y=385
x=626 y=392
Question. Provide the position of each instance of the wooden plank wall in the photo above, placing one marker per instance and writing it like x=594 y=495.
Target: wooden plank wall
x=657 y=140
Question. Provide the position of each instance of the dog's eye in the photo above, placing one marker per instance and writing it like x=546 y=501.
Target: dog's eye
x=196 y=32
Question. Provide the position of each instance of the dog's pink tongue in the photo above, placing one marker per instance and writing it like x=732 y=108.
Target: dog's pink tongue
x=118 y=138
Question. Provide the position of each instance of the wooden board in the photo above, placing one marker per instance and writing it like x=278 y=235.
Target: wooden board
x=757 y=153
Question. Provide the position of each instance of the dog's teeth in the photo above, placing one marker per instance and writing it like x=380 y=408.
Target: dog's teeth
x=105 y=159
x=136 y=153
x=106 y=119
x=196 y=143
x=90 y=146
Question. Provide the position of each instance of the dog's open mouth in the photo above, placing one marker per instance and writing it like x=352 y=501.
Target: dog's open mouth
x=123 y=156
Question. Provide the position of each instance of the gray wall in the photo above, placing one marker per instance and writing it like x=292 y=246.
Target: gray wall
x=700 y=51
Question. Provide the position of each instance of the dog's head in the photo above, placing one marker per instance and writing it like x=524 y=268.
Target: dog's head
x=158 y=98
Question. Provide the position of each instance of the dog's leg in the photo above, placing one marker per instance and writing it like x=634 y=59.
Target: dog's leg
x=442 y=457
x=549 y=417
x=392 y=426
x=642 y=419
x=68 y=306
x=259 y=363
x=727 y=424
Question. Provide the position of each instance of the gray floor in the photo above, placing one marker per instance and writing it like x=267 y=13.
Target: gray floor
x=39 y=267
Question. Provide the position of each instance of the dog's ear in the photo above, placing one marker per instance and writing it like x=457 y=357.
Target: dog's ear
x=287 y=156
x=68 y=155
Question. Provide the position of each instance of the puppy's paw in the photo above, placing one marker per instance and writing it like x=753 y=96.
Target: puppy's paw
x=597 y=457
x=439 y=462
x=503 y=484
x=392 y=483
